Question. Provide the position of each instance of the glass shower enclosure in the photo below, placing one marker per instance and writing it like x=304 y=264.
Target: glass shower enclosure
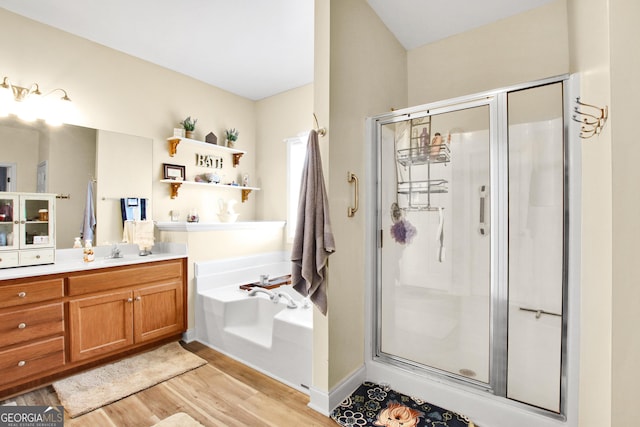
x=471 y=283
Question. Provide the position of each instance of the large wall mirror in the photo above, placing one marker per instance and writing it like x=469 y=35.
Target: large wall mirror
x=64 y=160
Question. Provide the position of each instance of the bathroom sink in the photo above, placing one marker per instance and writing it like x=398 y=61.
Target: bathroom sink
x=109 y=260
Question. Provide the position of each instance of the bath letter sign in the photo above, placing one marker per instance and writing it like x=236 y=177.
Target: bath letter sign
x=209 y=161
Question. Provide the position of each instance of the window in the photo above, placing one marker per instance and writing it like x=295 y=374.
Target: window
x=296 y=153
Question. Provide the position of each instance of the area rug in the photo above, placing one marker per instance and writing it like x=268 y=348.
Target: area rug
x=178 y=420
x=93 y=389
x=375 y=405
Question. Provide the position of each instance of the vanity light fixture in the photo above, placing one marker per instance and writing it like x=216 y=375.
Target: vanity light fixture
x=29 y=104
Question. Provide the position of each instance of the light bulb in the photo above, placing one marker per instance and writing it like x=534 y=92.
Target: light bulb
x=28 y=108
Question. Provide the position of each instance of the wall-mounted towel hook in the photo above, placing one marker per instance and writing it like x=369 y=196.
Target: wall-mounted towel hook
x=591 y=117
x=321 y=131
x=351 y=177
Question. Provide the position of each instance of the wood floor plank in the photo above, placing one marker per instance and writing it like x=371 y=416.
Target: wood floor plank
x=130 y=412
x=161 y=401
x=276 y=413
x=97 y=418
x=223 y=393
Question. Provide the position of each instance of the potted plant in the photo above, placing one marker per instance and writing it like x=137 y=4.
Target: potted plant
x=189 y=126
x=232 y=137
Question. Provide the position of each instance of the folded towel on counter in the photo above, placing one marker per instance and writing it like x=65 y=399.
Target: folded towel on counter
x=140 y=233
x=313 y=241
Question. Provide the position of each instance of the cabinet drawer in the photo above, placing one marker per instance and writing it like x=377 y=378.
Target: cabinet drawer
x=37 y=256
x=28 y=324
x=119 y=277
x=31 y=359
x=30 y=292
x=8 y=259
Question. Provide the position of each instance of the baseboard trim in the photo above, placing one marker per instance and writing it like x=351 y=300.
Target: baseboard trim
x=189 y=335
x=324 y=402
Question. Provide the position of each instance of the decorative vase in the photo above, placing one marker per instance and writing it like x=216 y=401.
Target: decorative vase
x=230 y=143
x=189 y=134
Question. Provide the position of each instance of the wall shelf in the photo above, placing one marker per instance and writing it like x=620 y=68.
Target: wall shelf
x=175 y=185
x=175 y=140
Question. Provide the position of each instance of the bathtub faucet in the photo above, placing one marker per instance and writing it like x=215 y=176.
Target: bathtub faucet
x=290 y=302
x=273 y=297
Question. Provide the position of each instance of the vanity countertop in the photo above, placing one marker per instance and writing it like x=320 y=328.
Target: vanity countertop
x=218 y=226
x=68 y=260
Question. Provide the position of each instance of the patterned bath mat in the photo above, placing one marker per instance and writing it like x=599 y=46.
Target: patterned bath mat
x=374 y=405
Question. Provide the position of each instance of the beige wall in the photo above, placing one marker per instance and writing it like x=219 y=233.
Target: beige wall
x=278 y=117
x=79 y=144
x=368 y=77
x=25 y=155
x=121 y=172
x=589 y=41
x=523 y=48
x=625 y=150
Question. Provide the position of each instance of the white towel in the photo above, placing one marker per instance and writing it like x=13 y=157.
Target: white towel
x=88 y=227
x=313 y=241
x=139 y=233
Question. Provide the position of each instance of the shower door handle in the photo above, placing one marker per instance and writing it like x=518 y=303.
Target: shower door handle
x=482 y=228
x=351 y=177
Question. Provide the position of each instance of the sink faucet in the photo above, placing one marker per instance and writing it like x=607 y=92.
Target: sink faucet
x=273 y=297
x=290 y=302
x=115 y=251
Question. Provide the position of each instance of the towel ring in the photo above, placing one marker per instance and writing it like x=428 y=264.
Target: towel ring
x=351 y=177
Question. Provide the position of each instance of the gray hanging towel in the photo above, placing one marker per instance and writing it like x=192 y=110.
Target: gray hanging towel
x=88 y=227
x=313 y=241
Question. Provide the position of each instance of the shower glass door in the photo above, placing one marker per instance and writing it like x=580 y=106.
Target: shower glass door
x=472 y=251
x=434 y=309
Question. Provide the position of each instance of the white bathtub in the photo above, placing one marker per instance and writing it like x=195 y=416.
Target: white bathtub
x=264 y=335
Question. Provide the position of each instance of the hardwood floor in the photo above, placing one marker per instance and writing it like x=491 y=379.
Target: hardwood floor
x=222 y=393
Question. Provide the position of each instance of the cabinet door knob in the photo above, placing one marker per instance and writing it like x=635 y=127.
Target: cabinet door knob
x=22 y=294
x=129 y=299
x=138 y=298
x=16 y=222
x=37 y=256
x=23 y=222
x=22 y=363
x=22 y=325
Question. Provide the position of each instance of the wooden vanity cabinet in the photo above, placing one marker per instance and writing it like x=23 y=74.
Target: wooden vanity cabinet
x=60 y=324
x=31 y=329
x=100 y=324
x=126 y=310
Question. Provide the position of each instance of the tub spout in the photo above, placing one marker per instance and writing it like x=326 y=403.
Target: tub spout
x=290 y=302
x=273 y=297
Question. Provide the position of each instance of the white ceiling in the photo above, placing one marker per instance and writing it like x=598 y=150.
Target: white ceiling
x=253 y=48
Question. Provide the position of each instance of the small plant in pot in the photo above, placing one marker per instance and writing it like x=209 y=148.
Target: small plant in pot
x=232 y=137
x=189 y=126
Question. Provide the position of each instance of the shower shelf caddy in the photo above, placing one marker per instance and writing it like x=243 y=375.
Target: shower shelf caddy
x=423 y=157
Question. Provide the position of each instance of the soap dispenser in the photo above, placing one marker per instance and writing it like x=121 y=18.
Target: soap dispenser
x=89 y=256
x=77 y=243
